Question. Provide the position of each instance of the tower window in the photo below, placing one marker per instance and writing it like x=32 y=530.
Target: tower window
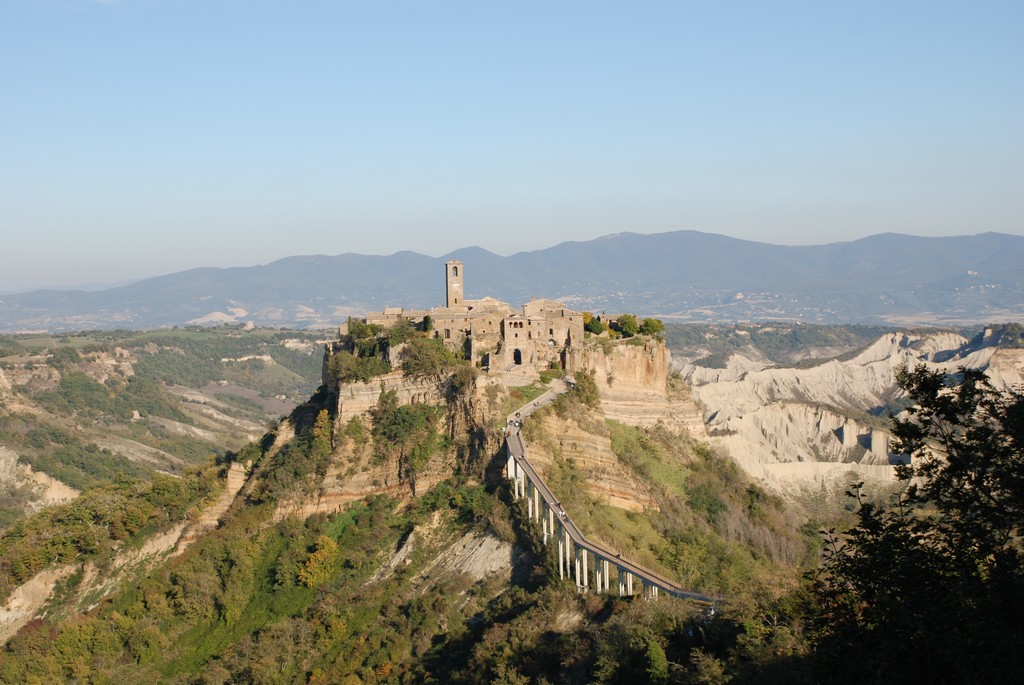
x=455 y=271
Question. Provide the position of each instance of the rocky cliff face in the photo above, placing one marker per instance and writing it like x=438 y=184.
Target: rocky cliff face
x=355 y=399
x=640 y=367
x=354 y=473
x=606 y=478
x=826 y=426
x=634 y=383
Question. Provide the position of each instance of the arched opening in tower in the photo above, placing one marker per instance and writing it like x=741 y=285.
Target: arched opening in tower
x=517 y=356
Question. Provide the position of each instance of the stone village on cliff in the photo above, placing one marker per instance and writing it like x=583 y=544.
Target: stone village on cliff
x=491 y=331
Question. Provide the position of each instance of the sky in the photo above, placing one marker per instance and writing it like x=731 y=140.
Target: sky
x=143 y=137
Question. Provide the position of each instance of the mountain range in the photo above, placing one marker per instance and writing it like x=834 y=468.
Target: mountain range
x=678 y=276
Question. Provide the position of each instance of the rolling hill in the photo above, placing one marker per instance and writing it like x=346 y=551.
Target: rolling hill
x=679 y=276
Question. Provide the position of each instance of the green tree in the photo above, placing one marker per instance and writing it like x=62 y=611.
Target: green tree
x=585 y=389
x=657 y=663
x=628 y=325
x=345 y=367
x=463 y=380
x=967 y=445
x=323 y=442
x=320 y=563
x=652 y=326
x=401 y=332
x=932 y=587
x=592 y=324
x=360 y=330
x=427 y=358
x=408 y=432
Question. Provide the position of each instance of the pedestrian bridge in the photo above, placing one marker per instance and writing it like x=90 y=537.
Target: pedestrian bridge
x=591 y=565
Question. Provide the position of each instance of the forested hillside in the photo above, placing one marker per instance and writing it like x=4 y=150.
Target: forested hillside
x=93 y=408
x=366 y=595
x=453 y=584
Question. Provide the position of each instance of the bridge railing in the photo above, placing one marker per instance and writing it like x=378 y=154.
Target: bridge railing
x=576 y=554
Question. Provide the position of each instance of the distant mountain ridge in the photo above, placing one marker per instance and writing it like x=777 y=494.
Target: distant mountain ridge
x=680 y=276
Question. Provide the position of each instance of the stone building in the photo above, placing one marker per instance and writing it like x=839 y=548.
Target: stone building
x=490 y=331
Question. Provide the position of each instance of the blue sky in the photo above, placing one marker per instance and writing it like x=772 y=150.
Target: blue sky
x=140 y=137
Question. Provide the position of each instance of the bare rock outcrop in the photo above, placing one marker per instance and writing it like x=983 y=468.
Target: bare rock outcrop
x=795 y=428
x=638 y=367
x=633 y=380
x=28 y=599
x=355 y=473
x=355 y=399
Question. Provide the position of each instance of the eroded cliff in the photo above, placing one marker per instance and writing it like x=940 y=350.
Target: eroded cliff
x=808 y=430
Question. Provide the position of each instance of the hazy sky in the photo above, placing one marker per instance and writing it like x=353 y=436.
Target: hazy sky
x=140 y=137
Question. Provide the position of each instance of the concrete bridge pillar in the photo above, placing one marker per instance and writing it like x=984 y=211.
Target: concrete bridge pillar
x=561 y=553
x=622 y=580
x=578 y=576
x=568 y=551
x=598 y=577
x=514 y=475
x=586 y=579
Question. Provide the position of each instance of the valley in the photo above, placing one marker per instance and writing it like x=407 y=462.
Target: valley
x=812 y=428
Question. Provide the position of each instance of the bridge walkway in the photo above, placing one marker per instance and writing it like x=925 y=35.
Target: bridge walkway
x=576 y=554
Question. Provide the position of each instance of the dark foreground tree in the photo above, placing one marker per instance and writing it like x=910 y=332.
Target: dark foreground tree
x=931 y=588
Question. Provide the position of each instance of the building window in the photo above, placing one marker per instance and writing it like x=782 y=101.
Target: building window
x=551 y=331
x=447 y=334
x=455 y=271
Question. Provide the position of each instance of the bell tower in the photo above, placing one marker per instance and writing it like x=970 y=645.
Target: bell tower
x=453 y=283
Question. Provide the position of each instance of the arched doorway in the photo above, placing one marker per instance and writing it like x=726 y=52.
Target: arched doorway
x=517 y=356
